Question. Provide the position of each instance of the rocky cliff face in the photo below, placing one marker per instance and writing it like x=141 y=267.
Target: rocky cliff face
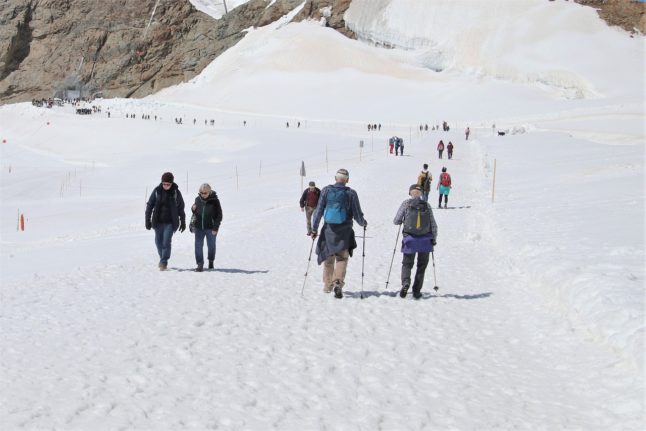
x=114 y=47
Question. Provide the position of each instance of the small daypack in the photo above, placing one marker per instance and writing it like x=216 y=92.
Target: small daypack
x=426 y=182
x=445 y=179
x=418 y=218
x=335 y=208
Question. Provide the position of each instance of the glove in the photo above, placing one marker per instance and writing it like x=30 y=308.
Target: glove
x=148 y=225
x=433 y=242
x=365 y=223
x=314 y=235
x=182 y=226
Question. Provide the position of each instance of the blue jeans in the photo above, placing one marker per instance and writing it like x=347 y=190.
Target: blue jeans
x=163 y=238
x=199 y=245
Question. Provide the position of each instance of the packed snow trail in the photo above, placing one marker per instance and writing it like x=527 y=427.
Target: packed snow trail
x=123 y=345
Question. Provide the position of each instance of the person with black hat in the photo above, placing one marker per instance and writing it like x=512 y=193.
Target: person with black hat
x=309 y=199
x=338 y=205
x=165 y=214
x=419 y=237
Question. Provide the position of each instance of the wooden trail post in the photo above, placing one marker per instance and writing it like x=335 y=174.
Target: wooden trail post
x=302 y=173
x=360 y=149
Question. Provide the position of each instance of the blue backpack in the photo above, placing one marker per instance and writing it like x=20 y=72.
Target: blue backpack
x=335 y=208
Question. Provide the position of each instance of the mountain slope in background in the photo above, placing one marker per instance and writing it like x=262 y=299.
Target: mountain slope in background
x=115 y=48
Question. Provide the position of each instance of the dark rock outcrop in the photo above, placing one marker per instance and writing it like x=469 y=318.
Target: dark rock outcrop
x=114 y=47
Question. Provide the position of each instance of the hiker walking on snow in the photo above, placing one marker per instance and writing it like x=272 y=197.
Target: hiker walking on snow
x=419 y=237
x=449 y=150
x=391 y=144
x=467 y=132
x=397 y=144
x=440 y=148
x=165 y=214
x=401 y=147
x=205 y=223
x=444 y=186
x=338 y=205
x=308 y=202
x=424 y=181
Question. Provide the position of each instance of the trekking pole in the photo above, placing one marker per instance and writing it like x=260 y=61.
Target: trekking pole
x=434 y=276
x=309 y=259
x=363 y=258
x=393 y=259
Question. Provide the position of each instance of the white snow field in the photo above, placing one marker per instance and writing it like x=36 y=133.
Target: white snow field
x=539 y=318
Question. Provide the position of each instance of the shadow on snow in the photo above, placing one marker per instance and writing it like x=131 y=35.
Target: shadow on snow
x=393 y=294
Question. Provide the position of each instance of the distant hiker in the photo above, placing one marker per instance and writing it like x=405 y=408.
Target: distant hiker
x=421 y=128
x=449 y=150
x=369 y=127
x=467 y=132
x=165 y=214
x=308 y=202
x=299 y=124
x=424 y=182
x=401 y=147
x=379 y=126
x=391 y=144
x=287 y=124
x=444 y=186
x=205 y=223
x=397 y=144
x=338 y=205
x=419 y=237
x=194 y=120
x=244 y=123
x=426 y=127
x=440 y=148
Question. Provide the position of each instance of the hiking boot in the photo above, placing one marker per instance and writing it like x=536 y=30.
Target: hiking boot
x=211 y=264
x=163 y=266
x=200 y=267
x=338 y=290
x=404 y=291
x=417 y=294
x=444 y=206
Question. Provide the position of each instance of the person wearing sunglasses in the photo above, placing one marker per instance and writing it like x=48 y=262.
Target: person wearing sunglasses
x=165 y=214
x=205 y=223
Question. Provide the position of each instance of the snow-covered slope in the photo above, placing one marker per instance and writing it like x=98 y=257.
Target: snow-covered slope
x=539 y=319
x=553 y=45
x=215 y=8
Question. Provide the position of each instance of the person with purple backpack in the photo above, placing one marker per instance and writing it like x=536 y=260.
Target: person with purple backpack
x=419 y=237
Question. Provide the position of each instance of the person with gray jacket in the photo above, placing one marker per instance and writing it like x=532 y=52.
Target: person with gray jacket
x=419 y=237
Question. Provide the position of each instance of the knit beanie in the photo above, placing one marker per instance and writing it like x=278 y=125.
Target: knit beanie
x=167 y=177
x=414 y=187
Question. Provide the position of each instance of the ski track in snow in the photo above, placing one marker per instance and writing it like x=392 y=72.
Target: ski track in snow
x=124 y=346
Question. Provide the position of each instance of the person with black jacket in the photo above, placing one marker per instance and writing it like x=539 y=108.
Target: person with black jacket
x=308 y=202
x=165 y=214
x=205 y=223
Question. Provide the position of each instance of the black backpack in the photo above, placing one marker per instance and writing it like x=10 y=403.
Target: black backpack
x=418 y=218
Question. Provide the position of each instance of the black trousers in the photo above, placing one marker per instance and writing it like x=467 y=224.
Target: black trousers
x=407 y=267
